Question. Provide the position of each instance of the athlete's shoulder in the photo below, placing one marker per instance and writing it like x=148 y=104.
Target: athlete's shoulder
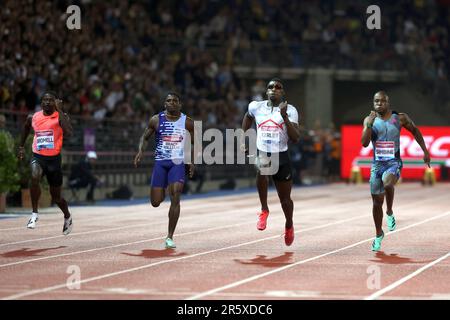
x=400 y=114
x=29 y=120
x=154 y=121
x=291 y=107
x=292 y=113
x=189 y=119
x=252 y=108
x=404 y=119
x=255 y=105
x=35 y=115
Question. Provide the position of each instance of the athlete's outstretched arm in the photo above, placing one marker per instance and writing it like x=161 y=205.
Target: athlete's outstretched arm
x=409 y=125
x=293 y=130
x=64 y=120
x=190 y=128
x=367 y=131
x=26 y=129
x=149 y=130
x=247 y=123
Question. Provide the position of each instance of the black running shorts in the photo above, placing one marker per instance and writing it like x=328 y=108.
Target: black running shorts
x=51 y=168
x=284 y=172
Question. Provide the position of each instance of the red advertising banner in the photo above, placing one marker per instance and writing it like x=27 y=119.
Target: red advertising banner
x=437 y=140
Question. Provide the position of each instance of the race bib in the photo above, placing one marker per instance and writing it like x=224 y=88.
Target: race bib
x=384 y=150
x=45 y=140
x=173 y=145
x=270 y=134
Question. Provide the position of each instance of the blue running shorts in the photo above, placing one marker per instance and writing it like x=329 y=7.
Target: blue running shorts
x=166 y=172
x=379 y=170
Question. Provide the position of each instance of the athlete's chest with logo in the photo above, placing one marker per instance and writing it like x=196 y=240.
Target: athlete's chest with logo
x=270 y=125
x=386 y=138
x=47 y=131
x=170 y=139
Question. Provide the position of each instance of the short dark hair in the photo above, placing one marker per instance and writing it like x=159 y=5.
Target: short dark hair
x=276 y=79
x=172 y=93
x=52 y=93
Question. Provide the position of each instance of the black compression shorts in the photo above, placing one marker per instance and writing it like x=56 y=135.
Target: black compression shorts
x=284 y=172
x=51 y=168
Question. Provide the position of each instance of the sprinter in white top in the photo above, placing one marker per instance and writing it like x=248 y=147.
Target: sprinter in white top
x=276 y=124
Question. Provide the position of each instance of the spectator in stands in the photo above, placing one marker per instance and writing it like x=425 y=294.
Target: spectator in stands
x=81 y=176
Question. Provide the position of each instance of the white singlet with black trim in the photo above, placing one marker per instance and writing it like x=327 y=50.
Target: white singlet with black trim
x=271 y=131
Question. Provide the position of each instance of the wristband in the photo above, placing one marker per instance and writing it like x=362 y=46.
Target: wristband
x=369 y=126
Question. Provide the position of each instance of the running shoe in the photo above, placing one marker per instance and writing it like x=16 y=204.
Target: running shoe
x=67 y=228
x=170 y=244
x=376 y=244
x=32 y=222
x=391 y=222
x=262 y=220
x=289 y=236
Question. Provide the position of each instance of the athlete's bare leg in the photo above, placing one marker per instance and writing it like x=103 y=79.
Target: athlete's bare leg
x=389 y=182
x=377 y=212
x=35 y=189
x=175 y=190
x=157 y=196
x=284 y=194
x=262 y=183
x=55 y=192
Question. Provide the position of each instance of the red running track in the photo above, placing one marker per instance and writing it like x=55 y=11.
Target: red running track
x=118 y=252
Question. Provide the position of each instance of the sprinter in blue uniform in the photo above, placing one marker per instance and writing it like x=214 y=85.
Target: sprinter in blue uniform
x=382 y=127
x=170 y=128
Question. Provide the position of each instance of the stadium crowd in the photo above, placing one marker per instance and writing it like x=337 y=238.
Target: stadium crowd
x=129 y=53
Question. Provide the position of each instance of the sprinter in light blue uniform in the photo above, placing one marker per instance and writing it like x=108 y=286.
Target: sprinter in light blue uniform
x=382 y=127
x=170 y=128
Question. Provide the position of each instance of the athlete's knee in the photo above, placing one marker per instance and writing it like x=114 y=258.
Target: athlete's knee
x=175 y=202
x=175 y=197
x=155 y=203
x=56 y=196
x=262 y=178
x=287 y=201
x=377 y=201
x=58 y=200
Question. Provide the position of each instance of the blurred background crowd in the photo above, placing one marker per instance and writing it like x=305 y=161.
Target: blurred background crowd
x=129 y=53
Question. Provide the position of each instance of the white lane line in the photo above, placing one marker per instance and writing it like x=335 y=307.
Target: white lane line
x=277 y=217
x=189 y=217
x=187 y=204
x=265 y=274
x=110 y=229
x=124 y=214
x=406 y=278
x=108 y=275
x=144 y=211
x=120 y=245
x=185 y=257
